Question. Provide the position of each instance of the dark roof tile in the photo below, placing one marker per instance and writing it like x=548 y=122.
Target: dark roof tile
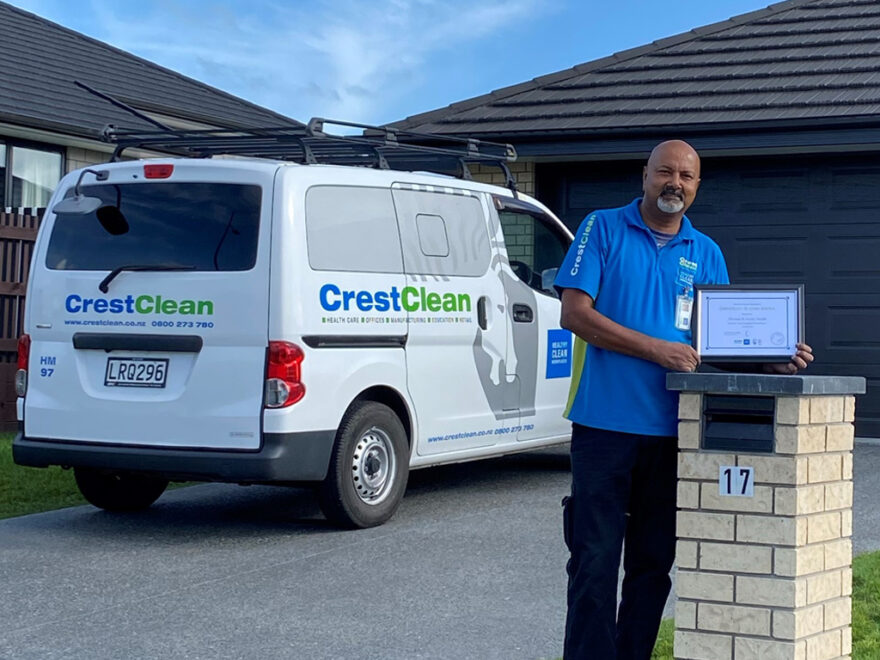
x=813 y=59
x=40 y=60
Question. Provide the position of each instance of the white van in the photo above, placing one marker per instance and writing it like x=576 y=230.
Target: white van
x=250 y=320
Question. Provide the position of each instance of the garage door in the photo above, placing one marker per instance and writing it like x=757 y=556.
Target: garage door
x=797 y=219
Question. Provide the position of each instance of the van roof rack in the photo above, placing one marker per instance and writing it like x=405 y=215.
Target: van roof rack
x=381 y=147
x=378 y=146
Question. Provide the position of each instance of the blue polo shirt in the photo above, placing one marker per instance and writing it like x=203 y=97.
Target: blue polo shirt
x=615 y=259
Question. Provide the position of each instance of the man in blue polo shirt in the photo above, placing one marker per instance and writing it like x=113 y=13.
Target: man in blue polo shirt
x=627 y=294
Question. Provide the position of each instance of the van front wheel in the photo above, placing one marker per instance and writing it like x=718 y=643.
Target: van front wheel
x=368 y=468
x=114 y=491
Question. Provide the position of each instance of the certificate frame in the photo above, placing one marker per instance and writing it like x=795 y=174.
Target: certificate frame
x=725 y=315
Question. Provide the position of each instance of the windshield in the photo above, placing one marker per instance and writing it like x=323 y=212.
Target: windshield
x=203 y=226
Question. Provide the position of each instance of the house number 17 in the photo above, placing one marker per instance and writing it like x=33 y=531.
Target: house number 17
x=736 y=480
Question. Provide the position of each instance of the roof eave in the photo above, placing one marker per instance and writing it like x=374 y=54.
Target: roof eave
x=52 y=128
x=837 y=134
x=707 y=127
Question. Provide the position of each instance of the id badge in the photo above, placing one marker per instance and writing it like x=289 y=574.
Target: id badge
x=684 y=304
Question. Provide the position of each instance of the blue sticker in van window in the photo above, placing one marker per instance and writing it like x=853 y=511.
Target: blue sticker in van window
x=558 y=353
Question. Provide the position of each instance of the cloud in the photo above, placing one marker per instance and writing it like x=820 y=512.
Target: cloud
x=346 y=59
x=385 y=48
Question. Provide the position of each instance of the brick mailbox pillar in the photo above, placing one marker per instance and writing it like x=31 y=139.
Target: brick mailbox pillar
x=765 y=516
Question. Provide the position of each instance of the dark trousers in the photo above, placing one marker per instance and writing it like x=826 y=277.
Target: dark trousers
x=622 y=494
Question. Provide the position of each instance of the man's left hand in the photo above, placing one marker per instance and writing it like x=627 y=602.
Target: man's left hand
x=799 y=361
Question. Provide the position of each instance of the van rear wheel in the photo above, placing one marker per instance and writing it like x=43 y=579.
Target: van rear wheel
x=114 y=491
x=369 y=468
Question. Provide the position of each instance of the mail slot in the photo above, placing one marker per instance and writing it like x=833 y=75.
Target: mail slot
x=738 y=423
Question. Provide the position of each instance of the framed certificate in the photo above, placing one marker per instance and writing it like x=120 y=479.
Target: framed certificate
x=747 y=323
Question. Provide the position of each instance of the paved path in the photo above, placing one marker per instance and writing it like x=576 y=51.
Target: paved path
x=472 y=566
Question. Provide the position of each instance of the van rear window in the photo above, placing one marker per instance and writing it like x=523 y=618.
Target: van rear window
x=203 y=226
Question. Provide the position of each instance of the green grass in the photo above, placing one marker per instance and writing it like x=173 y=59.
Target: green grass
x=663 y=647
x=866 y=606
x=26 y=490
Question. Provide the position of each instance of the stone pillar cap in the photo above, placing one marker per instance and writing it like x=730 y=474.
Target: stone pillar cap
x=765 y=384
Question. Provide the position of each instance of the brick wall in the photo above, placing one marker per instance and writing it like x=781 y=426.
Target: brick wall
x=523 y=172
x=519 y=238
x=77 y=158
x=768 y=576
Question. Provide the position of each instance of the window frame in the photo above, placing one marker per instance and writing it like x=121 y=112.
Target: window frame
x=11 y=144
x=555 y=227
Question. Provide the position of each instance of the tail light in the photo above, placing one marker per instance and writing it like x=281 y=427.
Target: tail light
x=284 y=375
x=24 y=352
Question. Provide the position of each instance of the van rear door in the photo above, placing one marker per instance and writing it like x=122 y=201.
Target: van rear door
x=149 y=316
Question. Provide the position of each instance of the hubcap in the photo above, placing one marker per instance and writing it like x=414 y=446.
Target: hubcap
x=373 y=466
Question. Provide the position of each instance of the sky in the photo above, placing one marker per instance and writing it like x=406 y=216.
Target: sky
x=376 y=61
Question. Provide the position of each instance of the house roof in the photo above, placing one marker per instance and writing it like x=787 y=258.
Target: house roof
x=798 y=61
x=40 y=60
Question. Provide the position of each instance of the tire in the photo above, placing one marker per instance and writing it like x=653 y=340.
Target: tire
x=369 y=468
x=113 y=491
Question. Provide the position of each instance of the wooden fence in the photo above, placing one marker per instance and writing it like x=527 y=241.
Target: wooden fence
x=18 y=231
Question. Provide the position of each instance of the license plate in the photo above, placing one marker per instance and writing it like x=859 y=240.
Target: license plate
x=136 y=372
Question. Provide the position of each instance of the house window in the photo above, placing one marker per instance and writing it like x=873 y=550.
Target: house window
x=28 y=175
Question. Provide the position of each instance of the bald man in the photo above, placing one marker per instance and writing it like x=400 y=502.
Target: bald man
x=627 y=294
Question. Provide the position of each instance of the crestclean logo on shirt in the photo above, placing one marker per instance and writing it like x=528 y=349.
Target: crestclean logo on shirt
x=585 y=237
x=409 y=299
x=143 y=304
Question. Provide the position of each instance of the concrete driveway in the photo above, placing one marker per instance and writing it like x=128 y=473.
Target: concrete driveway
x=472 y=566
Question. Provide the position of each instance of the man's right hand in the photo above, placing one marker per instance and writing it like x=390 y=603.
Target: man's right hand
x=580 y=316
x=677 y=356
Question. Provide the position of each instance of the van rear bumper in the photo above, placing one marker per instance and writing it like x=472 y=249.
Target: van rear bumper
x=283 y=457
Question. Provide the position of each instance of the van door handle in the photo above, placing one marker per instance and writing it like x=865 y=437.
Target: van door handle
x=522 y=313
x=482 y=318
